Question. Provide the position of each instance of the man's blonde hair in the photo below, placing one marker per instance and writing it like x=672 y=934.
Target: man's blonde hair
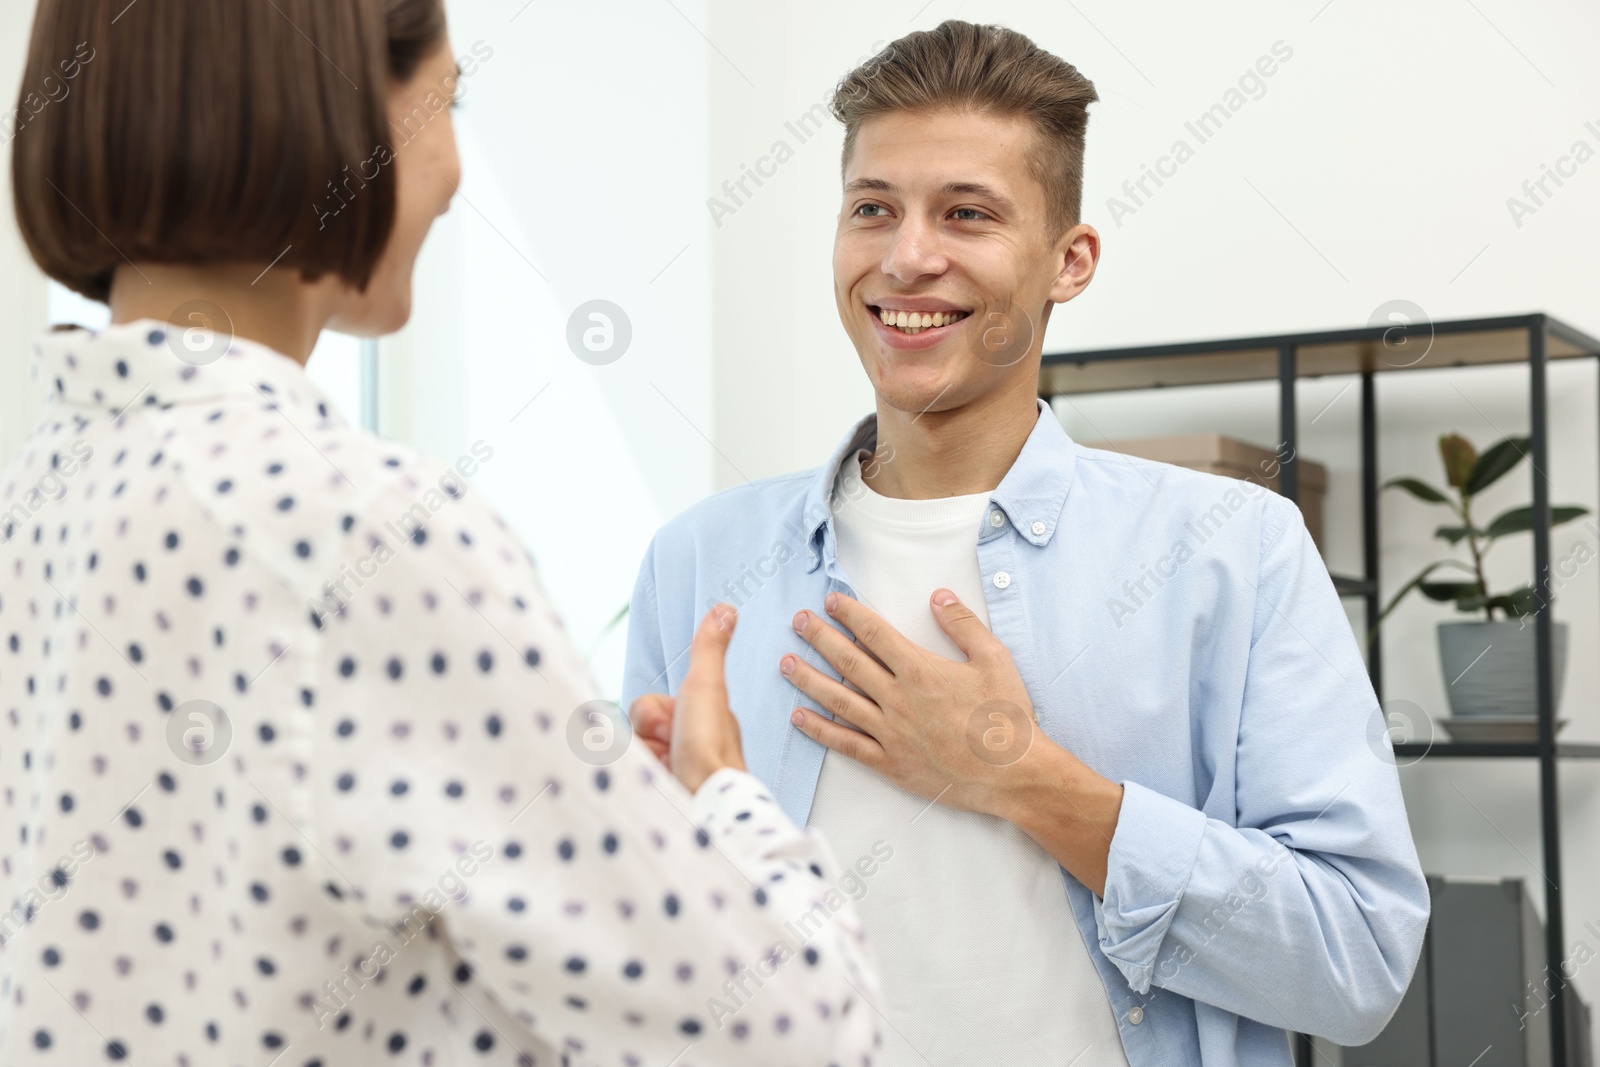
x=958 y=66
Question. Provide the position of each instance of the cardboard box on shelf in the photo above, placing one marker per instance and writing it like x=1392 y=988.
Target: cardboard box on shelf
x=1216 y=453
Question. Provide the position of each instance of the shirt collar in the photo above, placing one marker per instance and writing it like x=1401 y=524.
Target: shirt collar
x=151 y=364
x=1031 y=495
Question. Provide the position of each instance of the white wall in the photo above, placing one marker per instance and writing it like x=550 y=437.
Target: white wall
x=1375 y=166
x=584 y=141
x=22 y=289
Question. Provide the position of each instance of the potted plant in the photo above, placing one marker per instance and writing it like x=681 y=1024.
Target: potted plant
x=1489 y=662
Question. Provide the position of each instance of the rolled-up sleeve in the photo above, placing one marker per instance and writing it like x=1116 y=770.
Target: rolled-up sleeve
x=1307 y=909
x=1152 y=858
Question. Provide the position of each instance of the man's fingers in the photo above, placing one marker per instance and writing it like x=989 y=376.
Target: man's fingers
x=961 y=624
x=839 y=700
x=887 y=644
x=841 y=739
x=855 y=663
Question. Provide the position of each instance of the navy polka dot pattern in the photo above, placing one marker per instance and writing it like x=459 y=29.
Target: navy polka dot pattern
x=286 y=783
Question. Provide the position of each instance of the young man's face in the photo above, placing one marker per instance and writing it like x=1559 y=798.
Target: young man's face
x=942 y=218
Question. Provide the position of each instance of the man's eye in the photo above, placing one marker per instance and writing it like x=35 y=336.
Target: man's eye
x=969 y=214
x=869 y=208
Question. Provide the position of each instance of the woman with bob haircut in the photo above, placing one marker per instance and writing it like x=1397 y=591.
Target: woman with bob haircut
x=254 y=813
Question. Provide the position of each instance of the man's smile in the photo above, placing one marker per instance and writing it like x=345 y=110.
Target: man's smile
x=911 y=317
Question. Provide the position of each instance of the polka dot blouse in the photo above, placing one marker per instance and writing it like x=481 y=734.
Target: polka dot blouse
x=299 y=769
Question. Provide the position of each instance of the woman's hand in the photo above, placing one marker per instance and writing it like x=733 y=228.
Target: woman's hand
x=651 y=716
x=696 y=734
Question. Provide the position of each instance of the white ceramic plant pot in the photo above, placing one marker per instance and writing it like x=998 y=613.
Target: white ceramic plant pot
x=1489 y=667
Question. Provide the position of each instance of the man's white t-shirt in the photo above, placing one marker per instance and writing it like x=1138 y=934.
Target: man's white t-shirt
x=980 y=958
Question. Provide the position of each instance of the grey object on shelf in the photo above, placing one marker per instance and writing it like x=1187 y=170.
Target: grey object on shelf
x=1489 y=666
x=1579 y=1027
x=1487 y=960
x=1491 y=728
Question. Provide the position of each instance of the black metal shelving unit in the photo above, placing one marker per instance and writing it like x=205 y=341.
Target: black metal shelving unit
x=1534 y=339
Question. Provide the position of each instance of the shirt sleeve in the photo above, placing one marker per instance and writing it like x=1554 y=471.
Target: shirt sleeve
x=1308 y=913
x=476 y=784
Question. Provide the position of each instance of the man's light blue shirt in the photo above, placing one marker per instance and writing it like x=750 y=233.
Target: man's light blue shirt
x=1179 y=633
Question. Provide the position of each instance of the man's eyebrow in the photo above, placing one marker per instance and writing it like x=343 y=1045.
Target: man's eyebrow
x=977 y=189
x=875 y=185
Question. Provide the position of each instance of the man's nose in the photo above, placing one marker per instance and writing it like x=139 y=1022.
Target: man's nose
x=916 y=251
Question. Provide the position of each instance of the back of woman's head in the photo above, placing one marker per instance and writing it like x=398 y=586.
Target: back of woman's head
x=211 y=131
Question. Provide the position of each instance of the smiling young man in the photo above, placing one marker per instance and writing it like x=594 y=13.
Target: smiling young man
x=1162 y=836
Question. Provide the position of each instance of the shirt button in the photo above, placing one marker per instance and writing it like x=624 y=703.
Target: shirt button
x=1038 y=529
x=996 y=519
x=1136 y=1016
x=1001 y=579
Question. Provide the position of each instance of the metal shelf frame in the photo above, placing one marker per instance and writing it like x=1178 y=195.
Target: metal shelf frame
x=1533 y=339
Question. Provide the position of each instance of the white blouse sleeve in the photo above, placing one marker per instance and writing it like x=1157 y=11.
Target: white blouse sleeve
x=615 y=917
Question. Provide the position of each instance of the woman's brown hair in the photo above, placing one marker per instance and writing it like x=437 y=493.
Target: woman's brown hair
x=210 y=132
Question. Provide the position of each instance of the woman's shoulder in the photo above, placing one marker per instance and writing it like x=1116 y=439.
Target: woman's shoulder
x=313 y=499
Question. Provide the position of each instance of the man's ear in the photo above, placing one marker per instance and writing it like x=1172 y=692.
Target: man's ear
x=1078 y=253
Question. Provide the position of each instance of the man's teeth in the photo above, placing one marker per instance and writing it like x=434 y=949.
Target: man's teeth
x=915 y=322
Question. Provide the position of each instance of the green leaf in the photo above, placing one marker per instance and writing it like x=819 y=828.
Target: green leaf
x=1454 y=534
x=1419 y=489
x=1495 y=463
x=1520 y=520
x=1412 y=584
x=1443 y=591
x=1517 y=603
x=1459 y=458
